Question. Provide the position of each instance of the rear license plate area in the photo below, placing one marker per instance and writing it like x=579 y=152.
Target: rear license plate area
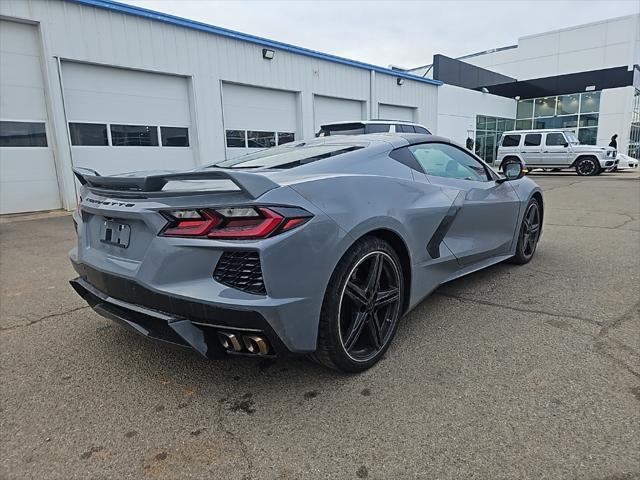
x=115 y=233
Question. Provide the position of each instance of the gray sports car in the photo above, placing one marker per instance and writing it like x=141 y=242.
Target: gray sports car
x=315 y=247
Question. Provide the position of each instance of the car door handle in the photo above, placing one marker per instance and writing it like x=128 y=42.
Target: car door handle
x=545 y=151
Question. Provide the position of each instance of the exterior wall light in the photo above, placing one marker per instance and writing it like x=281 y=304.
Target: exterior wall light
x=268 y=54
x=399 y=81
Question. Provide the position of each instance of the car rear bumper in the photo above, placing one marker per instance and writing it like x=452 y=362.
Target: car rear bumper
x=175 y=320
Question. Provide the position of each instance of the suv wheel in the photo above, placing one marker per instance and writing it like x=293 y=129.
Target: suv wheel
x=588 y=166
x=361 y=307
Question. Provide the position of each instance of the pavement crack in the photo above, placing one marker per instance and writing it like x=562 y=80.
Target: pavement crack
x=38 y=320
x=617 y=227
x=616 y=322
x=519 y=309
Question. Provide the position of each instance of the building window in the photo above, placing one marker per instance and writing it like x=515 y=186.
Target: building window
x=525 y=109
x=261 y=139
x=174 y=136
x=488 y=133
x=285 y=137
x=134 y=136
x=545 y=107
x=23 y=134
x=568 y=104
x=236 y=139
x=576 y=111
x=88 y=134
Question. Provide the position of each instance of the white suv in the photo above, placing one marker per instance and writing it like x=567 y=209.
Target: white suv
x=359 y=127
x=555 y=150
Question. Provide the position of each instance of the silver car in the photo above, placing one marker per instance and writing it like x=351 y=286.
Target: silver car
x=555 y=150
x=315 y=247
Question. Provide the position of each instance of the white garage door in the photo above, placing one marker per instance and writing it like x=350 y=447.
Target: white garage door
x=28 y=179
x=257 y=118
x=331 y=109
x=396 y=112
x=124 y=120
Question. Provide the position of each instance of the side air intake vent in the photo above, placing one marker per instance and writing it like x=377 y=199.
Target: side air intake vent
x=241 y=270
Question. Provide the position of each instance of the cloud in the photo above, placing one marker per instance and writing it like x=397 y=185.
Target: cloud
x=404 y=33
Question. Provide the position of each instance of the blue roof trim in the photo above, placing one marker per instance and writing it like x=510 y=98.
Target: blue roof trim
x=183 y=22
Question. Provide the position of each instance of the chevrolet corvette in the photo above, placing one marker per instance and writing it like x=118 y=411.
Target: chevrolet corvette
x=316 y=248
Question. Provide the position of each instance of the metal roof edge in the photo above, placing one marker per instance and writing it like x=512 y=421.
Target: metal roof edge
x=204 y=27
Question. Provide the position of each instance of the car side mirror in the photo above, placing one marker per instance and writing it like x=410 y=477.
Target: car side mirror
x=565 y=145
x=512 y=170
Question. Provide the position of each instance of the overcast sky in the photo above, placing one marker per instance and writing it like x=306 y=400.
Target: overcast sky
x=403 y=33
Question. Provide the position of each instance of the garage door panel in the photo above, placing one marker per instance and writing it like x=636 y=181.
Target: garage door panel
x=28 y=180
x=19 y=37
x=97 y=78
x=257 y=108
x=22 y=103
x=331 y=109
x=247 y=108
x=105 y=107
x=30 y=196
x=396 y=112
x=24 y=164
x=112 y=160
x=111 y=95
x=25 y=70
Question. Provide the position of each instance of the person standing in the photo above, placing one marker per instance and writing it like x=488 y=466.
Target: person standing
x=614 y=141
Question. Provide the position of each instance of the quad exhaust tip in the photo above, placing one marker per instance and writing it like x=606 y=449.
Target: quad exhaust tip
x=252 y=344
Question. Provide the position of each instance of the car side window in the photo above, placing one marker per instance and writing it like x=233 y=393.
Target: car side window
x=511 y=140
x=421 y=130
x=555 y=139
x=443 y=160
x=532 y=139
x=377 y=128
x=405 y=128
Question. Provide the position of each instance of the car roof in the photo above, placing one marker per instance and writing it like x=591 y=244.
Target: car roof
x=538 y=130
x=396 y=140
x=373 y=121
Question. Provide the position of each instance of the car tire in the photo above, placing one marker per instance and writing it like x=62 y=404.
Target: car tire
x=349 y=307
x=588 y=166
x=528 y=233
x=506 y=159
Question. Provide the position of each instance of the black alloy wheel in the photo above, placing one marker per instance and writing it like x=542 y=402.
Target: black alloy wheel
x=362 y=306
x=529 y=233
x=369 y=306
x=588 y=166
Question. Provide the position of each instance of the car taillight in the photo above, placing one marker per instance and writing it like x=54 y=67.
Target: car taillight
x=233 y=223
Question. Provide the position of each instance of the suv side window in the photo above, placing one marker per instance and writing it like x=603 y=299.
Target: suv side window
x=532 y=139
x=511 y=141
x=555 y=139
x=421 y=130
x=377 y=128
x=405 y=128
x=443 y=160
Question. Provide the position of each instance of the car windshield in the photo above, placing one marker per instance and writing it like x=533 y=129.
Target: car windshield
x=286 y=156
x=571 y=138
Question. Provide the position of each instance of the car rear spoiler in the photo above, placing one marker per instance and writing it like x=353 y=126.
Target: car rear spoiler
x=252 y=184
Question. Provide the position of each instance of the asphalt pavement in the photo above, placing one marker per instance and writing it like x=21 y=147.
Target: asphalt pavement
x=513 y=372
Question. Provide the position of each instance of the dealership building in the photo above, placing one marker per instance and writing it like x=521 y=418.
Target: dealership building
x=112 y=87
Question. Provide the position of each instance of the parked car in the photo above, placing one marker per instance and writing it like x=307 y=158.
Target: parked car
x=555 y=149
x=360 y=127
x=315 y=247
x=625 y=162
